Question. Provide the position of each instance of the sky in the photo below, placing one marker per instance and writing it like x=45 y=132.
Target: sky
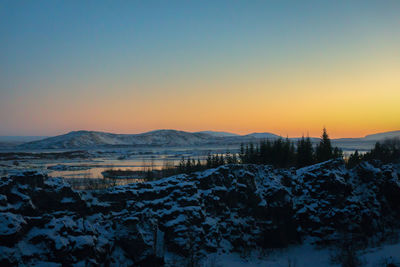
x=286 y=67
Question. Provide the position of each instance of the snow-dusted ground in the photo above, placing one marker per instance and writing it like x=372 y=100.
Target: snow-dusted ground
x=304 y=255
x=219 y=217
x=301 y=256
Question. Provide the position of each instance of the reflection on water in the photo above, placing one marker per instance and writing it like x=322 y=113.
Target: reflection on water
x=94 y=169
x=87 y=170
x=88 y=175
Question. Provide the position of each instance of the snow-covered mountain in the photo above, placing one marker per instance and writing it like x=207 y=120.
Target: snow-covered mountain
x=88 y=139
x=85 y=139
x=79 y=139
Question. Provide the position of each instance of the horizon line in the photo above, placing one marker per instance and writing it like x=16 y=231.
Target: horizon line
x=216 y=131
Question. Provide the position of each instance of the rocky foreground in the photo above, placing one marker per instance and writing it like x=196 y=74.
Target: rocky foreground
x=231 y=208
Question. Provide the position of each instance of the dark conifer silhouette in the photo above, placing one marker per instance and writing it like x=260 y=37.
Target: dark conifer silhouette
x=324 y=150
x=305 y=152
x=388 y=151
x=354 y=159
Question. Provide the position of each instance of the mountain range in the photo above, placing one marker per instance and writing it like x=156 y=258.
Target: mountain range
x=88 y=139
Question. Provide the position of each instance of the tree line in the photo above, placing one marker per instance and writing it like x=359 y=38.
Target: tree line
x=283 y=153
x=388 y=151
x=280 y=153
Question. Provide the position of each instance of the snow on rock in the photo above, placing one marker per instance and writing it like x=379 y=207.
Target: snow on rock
x=228 y=209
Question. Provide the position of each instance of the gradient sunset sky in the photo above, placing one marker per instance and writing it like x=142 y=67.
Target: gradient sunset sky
x=287 y=67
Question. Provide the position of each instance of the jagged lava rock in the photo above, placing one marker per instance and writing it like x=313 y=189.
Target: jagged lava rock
x=231 y=208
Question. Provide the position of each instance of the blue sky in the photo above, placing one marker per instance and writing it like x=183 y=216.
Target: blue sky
x=61 y=57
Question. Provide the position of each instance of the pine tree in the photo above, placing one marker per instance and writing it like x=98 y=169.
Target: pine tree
x=263 y=152
x=246 y=155
x=251 y=153
x=182 y=166
x=337 y=153
x=292 y=155
x=305 y=152
x=199 y=167
x=308 y=152
x=188 y=167
x=324 y=149
x=354 y=160
x=242 y=154
x=300 y=152
x=277 y=154
x=209 y=161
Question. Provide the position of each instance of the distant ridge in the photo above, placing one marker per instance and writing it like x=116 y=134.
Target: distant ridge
x=90 y=139
x=87 y=139
x=218 y=134
x=382 y=136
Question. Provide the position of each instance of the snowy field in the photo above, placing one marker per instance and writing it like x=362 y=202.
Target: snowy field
x=304 y=255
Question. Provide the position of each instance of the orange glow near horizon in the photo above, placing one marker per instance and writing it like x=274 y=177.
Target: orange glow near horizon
x=348 y=106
